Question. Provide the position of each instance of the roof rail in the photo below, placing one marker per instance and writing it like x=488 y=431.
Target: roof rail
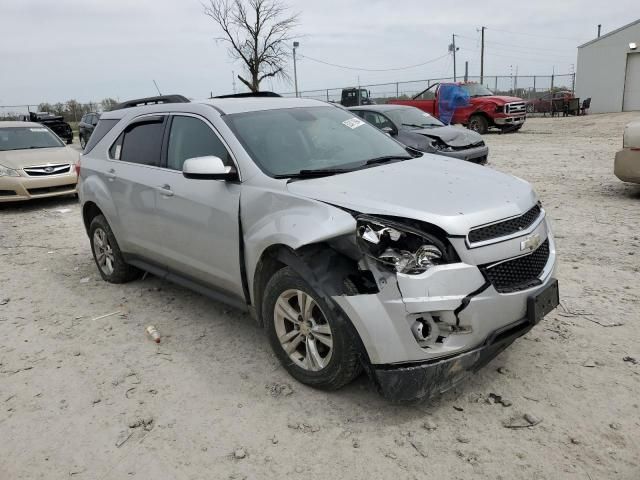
x=249 y=94
x=151 y=101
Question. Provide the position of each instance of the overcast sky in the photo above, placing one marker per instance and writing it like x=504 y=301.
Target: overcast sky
x=91 y=49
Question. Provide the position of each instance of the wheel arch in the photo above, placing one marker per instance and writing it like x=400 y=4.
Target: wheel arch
x=90 y=210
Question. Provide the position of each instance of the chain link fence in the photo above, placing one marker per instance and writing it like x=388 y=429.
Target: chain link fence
x=527 y=87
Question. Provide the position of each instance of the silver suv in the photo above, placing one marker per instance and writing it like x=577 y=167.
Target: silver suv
x=352 y=251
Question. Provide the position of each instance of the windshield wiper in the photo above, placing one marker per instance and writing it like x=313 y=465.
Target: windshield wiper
x=386 y=158
x=317 y=172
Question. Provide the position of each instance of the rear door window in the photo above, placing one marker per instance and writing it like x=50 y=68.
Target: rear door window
x=142 y=142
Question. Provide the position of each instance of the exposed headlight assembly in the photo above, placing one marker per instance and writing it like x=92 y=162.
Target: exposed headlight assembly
x=8 y=172
x=399 y=247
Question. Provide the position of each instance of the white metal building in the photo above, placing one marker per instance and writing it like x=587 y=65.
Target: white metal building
x=608 y=70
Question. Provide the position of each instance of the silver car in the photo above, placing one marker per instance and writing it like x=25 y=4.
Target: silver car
x=351 y=252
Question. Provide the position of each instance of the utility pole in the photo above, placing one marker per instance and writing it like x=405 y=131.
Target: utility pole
x=453 y=49
x=233 y=80
x=599 y=29
x=295 y=68
x=466 y=71
x=482 y=56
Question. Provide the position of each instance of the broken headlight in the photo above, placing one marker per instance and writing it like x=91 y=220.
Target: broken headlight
x=399 y=247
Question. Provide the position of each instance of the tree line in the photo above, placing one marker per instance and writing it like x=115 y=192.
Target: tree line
x=72 y=110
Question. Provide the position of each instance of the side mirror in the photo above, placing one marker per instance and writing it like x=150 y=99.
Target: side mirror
x=208 y=168
x=389 y=131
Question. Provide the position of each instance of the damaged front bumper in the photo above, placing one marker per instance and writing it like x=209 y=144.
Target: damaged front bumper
x=416 y=381
x=473 y=154
x=469 y=320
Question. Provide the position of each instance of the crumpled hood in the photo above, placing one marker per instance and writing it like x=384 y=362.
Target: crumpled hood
x=454 y=136
x=451 y=194
x=17 y=159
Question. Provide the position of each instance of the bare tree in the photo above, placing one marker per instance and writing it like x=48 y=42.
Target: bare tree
x=257 y=33
x=108 y=103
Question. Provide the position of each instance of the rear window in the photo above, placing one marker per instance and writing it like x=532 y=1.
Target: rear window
x=103 y=127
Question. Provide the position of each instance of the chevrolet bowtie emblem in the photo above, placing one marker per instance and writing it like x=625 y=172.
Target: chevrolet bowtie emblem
x=531 y=242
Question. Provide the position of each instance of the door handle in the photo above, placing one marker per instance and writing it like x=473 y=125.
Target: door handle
x=111 y=174
x=165 y=190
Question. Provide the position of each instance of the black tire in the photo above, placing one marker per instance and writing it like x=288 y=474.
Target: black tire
x=478 y=123
x=344 y=364
x=121 y=271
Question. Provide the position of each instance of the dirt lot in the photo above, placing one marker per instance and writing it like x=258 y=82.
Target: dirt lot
x=94 y=398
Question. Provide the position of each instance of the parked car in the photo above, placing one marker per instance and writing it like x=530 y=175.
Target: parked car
x=34 y=163
x=352 y=97
x=55 y=123
x=627 y=162
x=419 y=130
x=85 y=128
x=485 y=109
x=351 y=252
x=544 y=104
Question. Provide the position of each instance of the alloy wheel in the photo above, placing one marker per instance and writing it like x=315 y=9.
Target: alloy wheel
x=303 y=330
x=103 y=251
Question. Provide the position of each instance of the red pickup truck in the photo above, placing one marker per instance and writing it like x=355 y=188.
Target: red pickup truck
x=485 y=109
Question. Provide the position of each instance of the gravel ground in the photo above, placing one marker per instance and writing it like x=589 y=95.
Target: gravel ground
x=94 y=398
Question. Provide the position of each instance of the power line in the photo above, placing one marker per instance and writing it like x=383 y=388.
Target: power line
x=374 y=69
x=528 y=48
x=536 y=35
x=516 y=57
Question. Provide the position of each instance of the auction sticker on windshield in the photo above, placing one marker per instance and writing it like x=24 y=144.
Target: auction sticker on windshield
x=353 y=123
x=38 y=129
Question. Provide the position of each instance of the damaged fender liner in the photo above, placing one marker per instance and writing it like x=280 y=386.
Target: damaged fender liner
x=407 y=383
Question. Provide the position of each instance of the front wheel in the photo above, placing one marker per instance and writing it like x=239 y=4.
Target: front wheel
x=312 y=341
x=479 y=124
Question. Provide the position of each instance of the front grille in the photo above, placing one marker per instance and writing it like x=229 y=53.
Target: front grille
x=502 y=229
x=59 y=188
x=7 y=193
x=520 y=273
x=515 y=107
x=44 y=170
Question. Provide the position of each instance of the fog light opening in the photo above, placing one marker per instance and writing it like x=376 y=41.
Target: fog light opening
x=425 y=330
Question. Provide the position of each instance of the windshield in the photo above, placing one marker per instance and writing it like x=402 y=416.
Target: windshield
x=413 y=118
x=22 y=138
x=477 y=90
x=287 y=141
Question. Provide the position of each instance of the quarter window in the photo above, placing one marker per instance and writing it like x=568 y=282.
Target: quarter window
x=190 y=138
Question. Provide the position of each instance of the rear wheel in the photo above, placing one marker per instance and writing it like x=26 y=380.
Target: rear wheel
x=311 y=340
x=478 y=123
x=107 y=254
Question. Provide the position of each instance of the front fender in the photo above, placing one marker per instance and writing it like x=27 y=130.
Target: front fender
x=271 y=217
